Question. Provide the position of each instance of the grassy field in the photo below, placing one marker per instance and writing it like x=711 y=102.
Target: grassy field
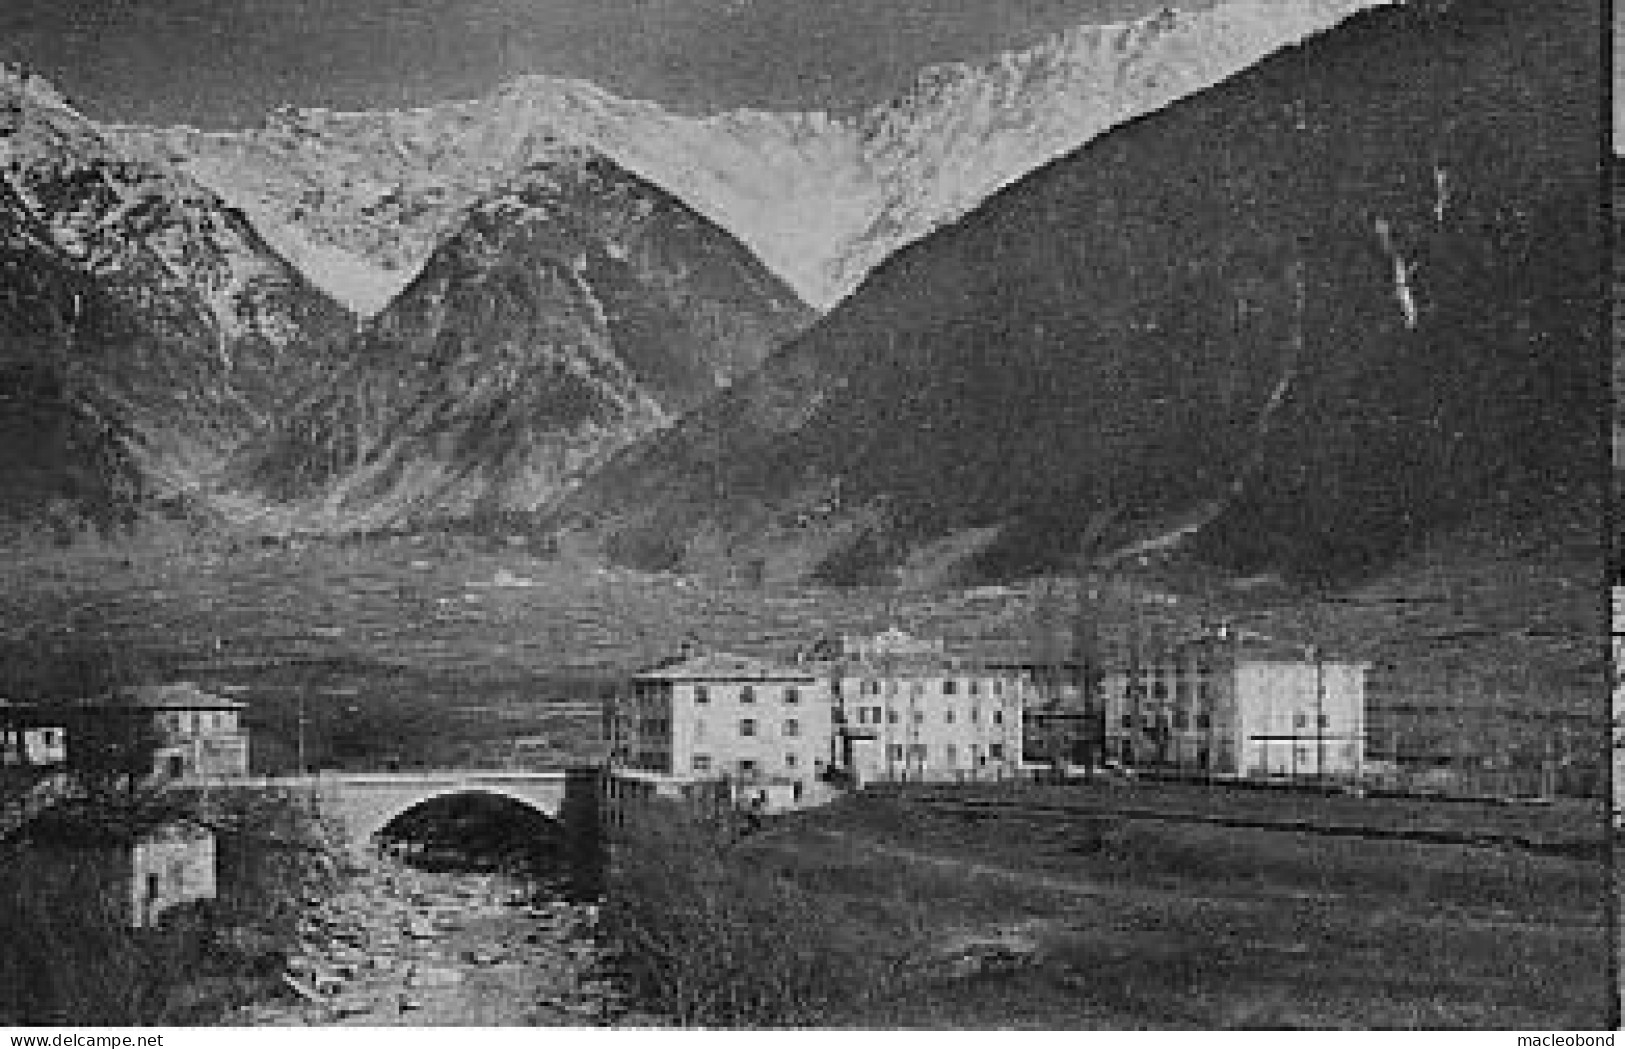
x=1152 y=925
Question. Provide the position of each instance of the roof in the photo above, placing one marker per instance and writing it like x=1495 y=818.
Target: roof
x=722 y=666
x=180 y=695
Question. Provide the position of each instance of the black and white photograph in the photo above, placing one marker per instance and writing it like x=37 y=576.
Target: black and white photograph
x=644 y=516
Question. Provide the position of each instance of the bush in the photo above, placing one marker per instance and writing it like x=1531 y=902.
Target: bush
x=710 y=938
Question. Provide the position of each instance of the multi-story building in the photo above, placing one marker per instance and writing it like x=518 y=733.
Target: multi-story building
x=904 y=709
x=171 y=731
x=760 y=724
x=1241 y=708
x=889 y=707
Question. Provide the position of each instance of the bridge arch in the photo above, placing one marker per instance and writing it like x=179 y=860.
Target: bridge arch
x=379 y=819
x=364 y=805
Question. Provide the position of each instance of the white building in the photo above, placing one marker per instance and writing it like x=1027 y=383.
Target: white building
x=907 y=710
x=762 y=725
x=30 y=736
x=786 y=735
x=1239 y=708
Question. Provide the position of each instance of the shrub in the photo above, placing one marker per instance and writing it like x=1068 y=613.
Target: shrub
x=711 y=938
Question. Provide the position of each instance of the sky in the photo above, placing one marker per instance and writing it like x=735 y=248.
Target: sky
x=225 y=63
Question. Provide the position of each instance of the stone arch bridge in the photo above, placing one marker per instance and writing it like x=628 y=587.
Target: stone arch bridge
x=364 y=803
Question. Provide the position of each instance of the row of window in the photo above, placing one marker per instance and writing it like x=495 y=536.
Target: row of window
x=1158 y=689
x=196 y=721
x=1180 y=720
x=890 y=716
x=948 y=687
x=746 y=766
x=919 y=753
x=1202 y=720
x=748 y=694
x=747 y=727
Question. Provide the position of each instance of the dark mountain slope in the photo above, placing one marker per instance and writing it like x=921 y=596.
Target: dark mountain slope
x=64 y=451
x=575 y=310
x=1295 y=323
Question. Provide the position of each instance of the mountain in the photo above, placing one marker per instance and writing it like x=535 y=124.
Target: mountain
x=1296 y=323
x=359 y=200
x=175 y=313
x=64 y=451
x=575 y=309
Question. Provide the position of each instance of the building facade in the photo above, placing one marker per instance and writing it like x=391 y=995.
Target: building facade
x=906 y=710
x=175 y=731
x=1227 y=708
x=759 y=724
x=844 y=714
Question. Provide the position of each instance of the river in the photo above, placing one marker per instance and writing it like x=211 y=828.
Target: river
x=401 y=946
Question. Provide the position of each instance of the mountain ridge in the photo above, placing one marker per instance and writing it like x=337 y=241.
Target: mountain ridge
x=359 y=199
x=576 y=308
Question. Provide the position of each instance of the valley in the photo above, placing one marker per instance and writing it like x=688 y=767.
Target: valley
x=1238 y=358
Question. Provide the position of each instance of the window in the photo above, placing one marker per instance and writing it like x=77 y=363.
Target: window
x=919 y=717
x=998 y=686
x=1159 y=689
x=975 y=714
x=896 y=752
x=1128 y=720
x=949 y=686
x=953 y=754
x=790 y=761
x=792 y=727
x=838 y=716
x=792 y=694
x=916 y=751
x=1203 y=721
x=702 y=694
x=1181 y=719
x=747 y=727
x=747 y=694
x=1301 y=755
x=948 y=715
x=1299 y=720
x=998 y=717
x=863 y=715
x=747 y=766
x=1324 y=720
x=874 y=715
x=702 y=763
x=995 y=751
x=891 y=716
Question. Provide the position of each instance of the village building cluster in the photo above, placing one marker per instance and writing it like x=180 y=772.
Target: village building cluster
x=895 y=708
x=143 y=735
x=162 y=732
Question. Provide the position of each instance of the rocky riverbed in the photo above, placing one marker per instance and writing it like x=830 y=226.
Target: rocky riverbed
x=401 y=946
